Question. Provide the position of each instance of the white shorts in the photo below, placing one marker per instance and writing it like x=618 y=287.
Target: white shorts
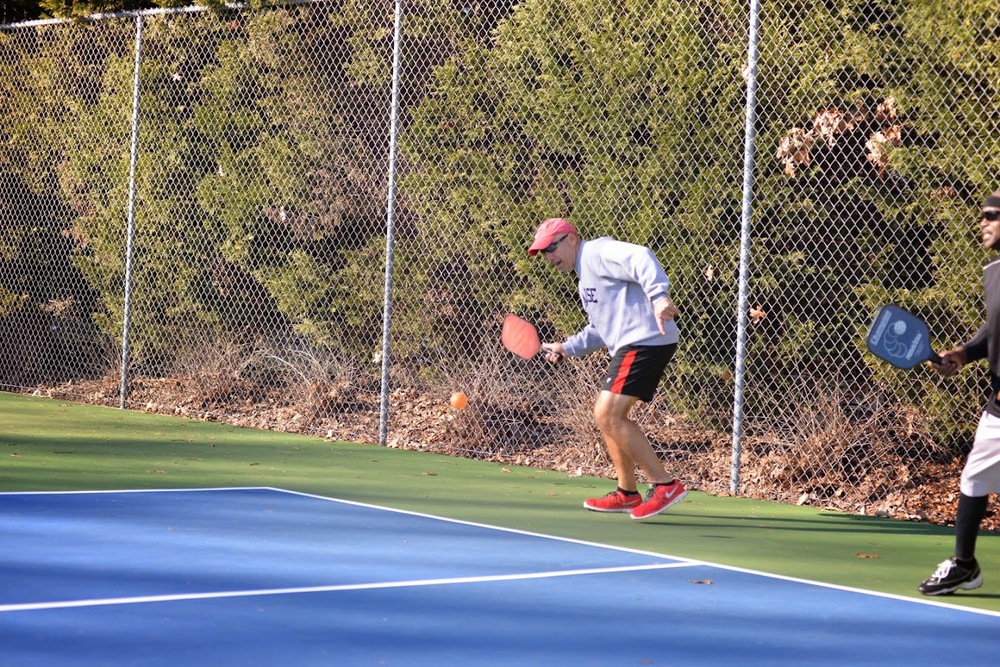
x=981 y=475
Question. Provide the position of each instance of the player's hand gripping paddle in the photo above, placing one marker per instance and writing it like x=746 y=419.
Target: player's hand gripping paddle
x=900 y=338
x=520 y=336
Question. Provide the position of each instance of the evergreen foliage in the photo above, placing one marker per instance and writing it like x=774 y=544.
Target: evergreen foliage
x=264 y=139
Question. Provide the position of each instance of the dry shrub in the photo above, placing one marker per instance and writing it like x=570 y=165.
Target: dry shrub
x=841 y=452
x=217 y=372
x=322 y=384
x=510 y=411
x=229 y=372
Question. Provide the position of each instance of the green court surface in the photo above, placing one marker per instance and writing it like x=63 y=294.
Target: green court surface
x=49 y=445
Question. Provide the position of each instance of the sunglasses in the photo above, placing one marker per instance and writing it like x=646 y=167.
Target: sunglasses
x=991 y=216
x=555 y=244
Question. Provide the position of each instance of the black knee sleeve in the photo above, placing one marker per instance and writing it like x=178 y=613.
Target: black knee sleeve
x=971 y=511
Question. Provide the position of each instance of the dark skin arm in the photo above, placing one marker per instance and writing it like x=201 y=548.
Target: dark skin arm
x=951 y=361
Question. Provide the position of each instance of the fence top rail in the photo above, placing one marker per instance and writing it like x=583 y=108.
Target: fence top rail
x=158 y=11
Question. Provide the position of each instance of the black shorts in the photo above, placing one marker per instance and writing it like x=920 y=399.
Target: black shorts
x=636 y=370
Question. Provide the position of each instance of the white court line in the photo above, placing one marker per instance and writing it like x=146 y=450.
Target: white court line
x=69 y=604
x=97 y=492
x=680 y=561
x=502 y=529
x=932 y=602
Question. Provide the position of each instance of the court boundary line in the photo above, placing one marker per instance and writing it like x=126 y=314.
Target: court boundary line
x=690 y=561
x=333 y=588
x=679 y=560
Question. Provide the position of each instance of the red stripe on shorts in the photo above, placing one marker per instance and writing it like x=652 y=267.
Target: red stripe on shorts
x=619 y=383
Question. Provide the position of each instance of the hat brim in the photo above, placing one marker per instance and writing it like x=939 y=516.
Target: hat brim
x=541 y=244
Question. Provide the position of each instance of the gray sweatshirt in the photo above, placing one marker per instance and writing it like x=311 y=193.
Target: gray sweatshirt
x=618 y=284
x=985 y=344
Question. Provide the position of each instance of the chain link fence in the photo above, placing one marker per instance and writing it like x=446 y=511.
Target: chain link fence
x=207 y=234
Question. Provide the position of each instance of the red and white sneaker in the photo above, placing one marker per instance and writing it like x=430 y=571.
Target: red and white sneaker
x=659 y=498
x=616 y=501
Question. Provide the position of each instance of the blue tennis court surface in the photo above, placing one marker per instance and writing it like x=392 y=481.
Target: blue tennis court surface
x=270 y=577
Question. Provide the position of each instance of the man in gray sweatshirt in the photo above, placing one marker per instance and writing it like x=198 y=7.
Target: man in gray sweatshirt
x=624 y=291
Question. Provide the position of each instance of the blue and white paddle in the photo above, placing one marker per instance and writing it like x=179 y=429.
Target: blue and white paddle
x=900 y=337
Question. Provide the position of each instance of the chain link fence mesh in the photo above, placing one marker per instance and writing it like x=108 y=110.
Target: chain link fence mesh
x=258 y=273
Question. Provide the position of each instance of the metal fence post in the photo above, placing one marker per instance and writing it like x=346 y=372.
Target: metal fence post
x=390 y=226
x=130 y=230
x=748 y=169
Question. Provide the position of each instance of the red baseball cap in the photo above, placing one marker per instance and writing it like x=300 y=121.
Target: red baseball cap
x=548 y=232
